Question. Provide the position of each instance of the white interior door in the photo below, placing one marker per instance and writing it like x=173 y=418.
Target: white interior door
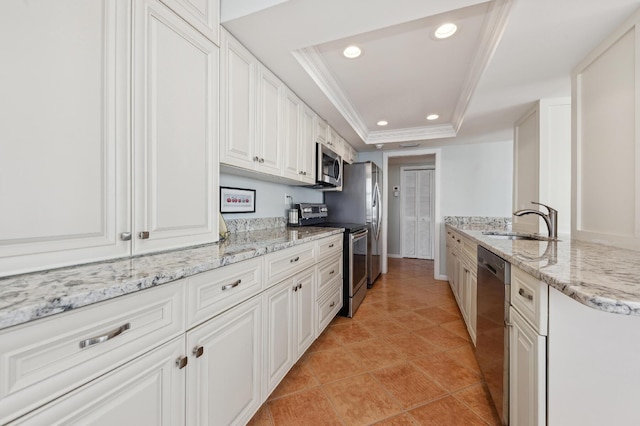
x=417 y=207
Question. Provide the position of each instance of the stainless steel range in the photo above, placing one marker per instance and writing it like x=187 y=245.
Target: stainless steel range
x=354 y=256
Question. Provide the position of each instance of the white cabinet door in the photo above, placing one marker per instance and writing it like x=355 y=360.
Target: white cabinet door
x=307 y=145
x=175 y=131
x=527 y=373
x=203 y=15
x=223 y=375
x=238 y=100
x=305 y=314
x=291 y=134
x=147 y=391
x=278 y=334
x=269 y=138
x=64 y=153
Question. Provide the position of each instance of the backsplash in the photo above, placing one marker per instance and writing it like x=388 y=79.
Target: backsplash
x=497 y=222
x=255 y=224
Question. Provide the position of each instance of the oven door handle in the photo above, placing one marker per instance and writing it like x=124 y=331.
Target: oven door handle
x=359 y=234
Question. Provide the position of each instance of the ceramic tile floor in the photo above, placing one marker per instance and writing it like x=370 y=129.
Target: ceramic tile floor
x=404 y=359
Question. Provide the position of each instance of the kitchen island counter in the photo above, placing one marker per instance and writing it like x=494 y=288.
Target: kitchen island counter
x=599 y=276
x=28 y=297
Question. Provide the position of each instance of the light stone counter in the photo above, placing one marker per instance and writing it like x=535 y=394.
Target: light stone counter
x=31 y=296
x=602 y=277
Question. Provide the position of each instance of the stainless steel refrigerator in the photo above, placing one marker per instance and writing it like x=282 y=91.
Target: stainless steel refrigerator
x=360 y=201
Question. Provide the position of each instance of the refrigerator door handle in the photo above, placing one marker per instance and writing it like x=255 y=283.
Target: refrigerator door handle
x=377 y=219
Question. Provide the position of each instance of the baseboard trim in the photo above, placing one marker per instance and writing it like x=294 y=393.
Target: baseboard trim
x=394 y=256
x=442 y=277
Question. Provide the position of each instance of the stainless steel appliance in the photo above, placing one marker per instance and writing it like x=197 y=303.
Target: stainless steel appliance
x=328 y=168
x=492 y=334
x=354 y=265
x=354 y=253
x=360 y=201
x=311 y=213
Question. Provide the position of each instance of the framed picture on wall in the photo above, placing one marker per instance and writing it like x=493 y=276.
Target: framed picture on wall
x=237 y=200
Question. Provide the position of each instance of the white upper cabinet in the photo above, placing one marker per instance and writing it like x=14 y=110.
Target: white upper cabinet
x=64 y=151
x=175 y=131
x=605 y=142
x=322 y=131
x=269 y=138
x=542 y=164
x=238 y=104
x=291 y=133
x=299 y=145
x=203 y=15
x=307 y=145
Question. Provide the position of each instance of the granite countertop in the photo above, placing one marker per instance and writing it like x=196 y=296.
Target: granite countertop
x=37 y=295
x=601 y=277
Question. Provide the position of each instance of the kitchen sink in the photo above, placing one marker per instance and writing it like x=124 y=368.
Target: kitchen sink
x=503 y=235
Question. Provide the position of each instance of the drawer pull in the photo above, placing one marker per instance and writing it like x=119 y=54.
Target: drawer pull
x=294 y=259
x=232 y=285
x=330 y=245
x=198 y=351
x=182 y=362
x=332 y=304
x=110 y=335
x=522 y=293
x=332 y=272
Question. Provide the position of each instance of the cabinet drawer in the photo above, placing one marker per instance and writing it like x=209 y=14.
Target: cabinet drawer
x=213 y=292
x=150 y=389
x=328 y=271
x=284 y=263
x=43 y=359
x=329 y=246
x=329 y=307
x=530 y=297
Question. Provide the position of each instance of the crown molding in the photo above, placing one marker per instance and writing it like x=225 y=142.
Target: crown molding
x=494 y=25
x=314 y=65
x=410 y=134
x=493 y=28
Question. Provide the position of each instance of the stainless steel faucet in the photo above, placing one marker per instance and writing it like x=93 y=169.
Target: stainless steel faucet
x=551 y=219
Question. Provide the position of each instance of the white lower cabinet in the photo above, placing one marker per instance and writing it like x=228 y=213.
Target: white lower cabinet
x=527 y=373
x=223 y=375
x=462 y=275
x=141 y=359
x=289 y=325
x=147 y=391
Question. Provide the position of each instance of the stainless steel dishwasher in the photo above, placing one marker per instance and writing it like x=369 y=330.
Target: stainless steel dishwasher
x=492 y=334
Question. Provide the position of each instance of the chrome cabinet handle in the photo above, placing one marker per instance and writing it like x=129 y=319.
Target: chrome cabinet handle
x=125 y=236
x=332 y=304
x=522 y=293
x=198 y=351
x=232 y=285
x=110 y=335
x=144 y=235
x=182 y=362
x=295 y=259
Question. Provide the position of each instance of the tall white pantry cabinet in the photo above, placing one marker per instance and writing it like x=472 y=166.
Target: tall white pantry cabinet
x=110 y=132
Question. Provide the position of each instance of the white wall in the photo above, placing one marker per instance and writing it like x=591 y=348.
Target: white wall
x=393 y=232
x=476 y=181
x=375 y=156
x=269 y=196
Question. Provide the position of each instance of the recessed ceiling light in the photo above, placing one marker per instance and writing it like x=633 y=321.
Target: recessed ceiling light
x=433 y=117
x=352 y=52
x=382 y=123
x=379 y=145
x=409 y=144
x=445 y=30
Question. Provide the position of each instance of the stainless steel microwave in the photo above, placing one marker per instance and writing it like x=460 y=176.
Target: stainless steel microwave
x=328 y=168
